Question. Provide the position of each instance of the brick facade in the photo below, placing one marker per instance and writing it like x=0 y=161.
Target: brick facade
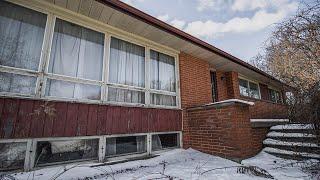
x=225 y=131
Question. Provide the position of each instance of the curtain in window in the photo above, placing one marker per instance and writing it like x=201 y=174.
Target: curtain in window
x=21 y=36
x=126 y=64
x=162 y=72
x=254 y=90
x=72 y=90
x=76 y=51
x=244 y=89
x=159 y=99
x=16 y=83
x=125 y=95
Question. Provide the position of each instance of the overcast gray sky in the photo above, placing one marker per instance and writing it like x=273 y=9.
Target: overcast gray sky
x=239 y=27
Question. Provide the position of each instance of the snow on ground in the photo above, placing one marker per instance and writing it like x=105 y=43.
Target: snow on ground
x=179 y=164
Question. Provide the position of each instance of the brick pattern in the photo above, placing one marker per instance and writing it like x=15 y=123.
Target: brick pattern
x=194 y=80
x=264 y=109
x=223 y=131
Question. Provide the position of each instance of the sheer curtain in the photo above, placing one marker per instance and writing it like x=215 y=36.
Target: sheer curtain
x=77 y=52
x=126 y=64
x=162 y=72
x=21 y=38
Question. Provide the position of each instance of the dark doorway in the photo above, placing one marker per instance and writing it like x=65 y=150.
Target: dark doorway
x=214 y=91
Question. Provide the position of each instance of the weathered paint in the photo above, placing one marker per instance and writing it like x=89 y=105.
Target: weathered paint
x=26 y=118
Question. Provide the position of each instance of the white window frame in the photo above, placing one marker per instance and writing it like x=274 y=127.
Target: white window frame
x=42 y=74
x=248 y=84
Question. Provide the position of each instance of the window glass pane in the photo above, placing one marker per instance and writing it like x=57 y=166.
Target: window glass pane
x=162 y=72
x=12 y=155
x=126 y=64
x=125 y=95
x=243 y=86
x=272 y=94
x=21 y=36
x=254 y=90
x=17 y=83
x=66 y=150
x=65 y=89
x=76 y=51
x=126 y=145
x=166 y=100
x=163 y=141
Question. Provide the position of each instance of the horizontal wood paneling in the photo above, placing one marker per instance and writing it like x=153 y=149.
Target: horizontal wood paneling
x=24 y=118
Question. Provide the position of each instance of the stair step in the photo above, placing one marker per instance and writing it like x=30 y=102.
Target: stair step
x=291 y=154
x=292 y=127
x=290 y=135
x=286 y=143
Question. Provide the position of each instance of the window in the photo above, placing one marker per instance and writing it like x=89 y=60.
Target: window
x=12 y=155
x=76 y=52
x=248 y=88
x=165 y=141
x=126 y=145
x=126 y=67
x=162 y=78
x=21 y=37
x=56 y=151
x=275 y=96
x=75 y=62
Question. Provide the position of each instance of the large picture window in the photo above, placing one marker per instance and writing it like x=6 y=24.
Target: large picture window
x=21 y=38
x=46 y=56
x=248 y=88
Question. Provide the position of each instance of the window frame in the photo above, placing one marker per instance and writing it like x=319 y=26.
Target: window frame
x=248 y=84
x=108 y=31
x=280 y=101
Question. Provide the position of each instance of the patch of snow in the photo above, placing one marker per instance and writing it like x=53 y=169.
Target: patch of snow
x=233 y=100
x=286 y=143
x=180 y=163
x=298 y=135
x=292 y=153
x=292 y=126
x=269 y=120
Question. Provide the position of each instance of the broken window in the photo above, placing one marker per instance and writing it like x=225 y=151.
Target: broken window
x=126 y=145
x=164 y=141
x=12 y=155
x=66 y=150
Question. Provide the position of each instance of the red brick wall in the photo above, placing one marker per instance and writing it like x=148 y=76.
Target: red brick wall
x=264 y=109
x=224 y=131
x=194 y=80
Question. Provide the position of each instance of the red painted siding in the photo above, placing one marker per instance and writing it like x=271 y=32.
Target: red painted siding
x=22 y=118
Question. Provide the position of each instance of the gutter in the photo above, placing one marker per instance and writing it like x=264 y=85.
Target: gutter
x=131 y=11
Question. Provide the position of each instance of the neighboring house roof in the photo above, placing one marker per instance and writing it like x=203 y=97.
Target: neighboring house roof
x=131 y=11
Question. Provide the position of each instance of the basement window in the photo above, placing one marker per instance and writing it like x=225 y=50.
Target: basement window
x=12 y=155
x=57 y=151
x=165 y=141
x=126 y=145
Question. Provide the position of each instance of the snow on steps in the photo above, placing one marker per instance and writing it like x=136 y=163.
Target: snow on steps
x=292 y=141
x=291 y=153
x=291 y=127
x=290 y=135
x=285 y=143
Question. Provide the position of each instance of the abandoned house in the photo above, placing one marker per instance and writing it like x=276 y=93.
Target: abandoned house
x=102 y=81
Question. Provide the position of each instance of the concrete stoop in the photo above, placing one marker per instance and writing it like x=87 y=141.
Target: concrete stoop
x=292 y=141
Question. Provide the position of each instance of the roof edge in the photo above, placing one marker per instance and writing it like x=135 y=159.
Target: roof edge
x=138 y=14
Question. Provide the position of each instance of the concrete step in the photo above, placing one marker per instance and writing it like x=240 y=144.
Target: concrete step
x=291 y=154
x=294 y=128
x=295 y=146
x=292 y=137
